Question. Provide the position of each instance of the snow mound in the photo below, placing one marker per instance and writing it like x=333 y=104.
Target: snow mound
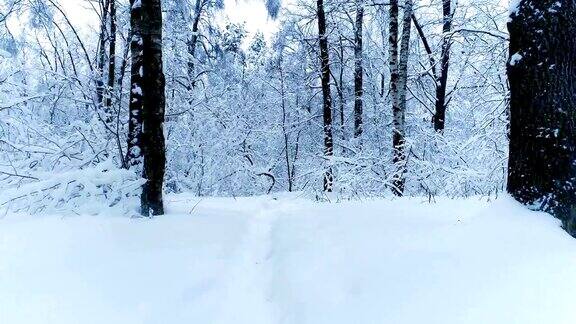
x=287 y=260
x=84 y=191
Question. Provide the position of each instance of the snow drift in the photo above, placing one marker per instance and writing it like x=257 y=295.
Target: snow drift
x=288 y=260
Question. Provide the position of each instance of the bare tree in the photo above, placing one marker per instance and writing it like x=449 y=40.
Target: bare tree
x=442 y=79
x=358 y=68
x=326 y=96
x=134 y=151
x=398 y=61
x=193 y=40
x=147 y=102
x=101 y=60
x=111 y=55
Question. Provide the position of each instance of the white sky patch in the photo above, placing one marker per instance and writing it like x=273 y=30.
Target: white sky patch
x=80 y=12
x=514 y=7
x=253 y=13
x=83 y=16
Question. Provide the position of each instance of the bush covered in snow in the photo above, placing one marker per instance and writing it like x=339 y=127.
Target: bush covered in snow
x=90 y=190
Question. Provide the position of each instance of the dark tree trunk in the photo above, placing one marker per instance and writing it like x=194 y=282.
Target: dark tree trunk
x=193 y=41
x=542 y=75
x=101 y=60
x=358 y=69
x=148 y=101
x=111 y=57
x=441 y=83
x=111 y=94
x=340 y=88
x=327 y=99
x=134 y=151
x=397 y=137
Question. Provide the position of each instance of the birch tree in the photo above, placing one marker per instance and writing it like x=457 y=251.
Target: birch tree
x=398 y=61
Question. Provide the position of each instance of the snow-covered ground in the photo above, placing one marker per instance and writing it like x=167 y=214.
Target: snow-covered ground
x=288 y=260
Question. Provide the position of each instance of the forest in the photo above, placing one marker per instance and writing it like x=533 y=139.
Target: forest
x=126 y=107
x=415 y=107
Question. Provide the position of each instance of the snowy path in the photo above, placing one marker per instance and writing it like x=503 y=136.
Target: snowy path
x=290 y=261
x=249 y=280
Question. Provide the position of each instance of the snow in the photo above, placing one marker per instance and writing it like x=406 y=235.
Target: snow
x=267 y=260
x=515 y=59
x=84 y=191
x=514 y=7
x=136 y=90
x=137 y=4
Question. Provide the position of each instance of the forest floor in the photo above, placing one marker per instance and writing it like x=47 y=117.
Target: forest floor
x=266 y=260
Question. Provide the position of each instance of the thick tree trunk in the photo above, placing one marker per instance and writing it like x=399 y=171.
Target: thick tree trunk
x=542 y=75
x=148 y=100
x=327 y=99
x=358 y=69
x=441 y=83
x=134 y=151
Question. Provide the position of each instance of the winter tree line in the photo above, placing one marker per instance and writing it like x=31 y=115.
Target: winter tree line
x=346 y=99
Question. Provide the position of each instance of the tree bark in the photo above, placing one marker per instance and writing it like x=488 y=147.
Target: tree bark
x=134 y=151
x=340 y=88
x=285 y=126
x=326 y=96
x=393 y=35
x=542 y=76
x=193 y=41
x=148 y=100
x=398 y=85
x=101 y=60
x=441 y=82
x=111 y=57
x=358 y=69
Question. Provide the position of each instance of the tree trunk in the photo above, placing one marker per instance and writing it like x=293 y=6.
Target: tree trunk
x=383 y=34
x=441 y=83
x=111 y=58
x=327 y=99
x=340 y=88
x=134 y=151
x=285 y=130
x=101 y=60
x=393 y=32
x=398 y=85
x=542 y=76
x=400 y=157
x=358 y=69
x=193 y=41
x=148 y=85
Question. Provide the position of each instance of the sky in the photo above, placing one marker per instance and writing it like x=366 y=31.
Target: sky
x=252 y=12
